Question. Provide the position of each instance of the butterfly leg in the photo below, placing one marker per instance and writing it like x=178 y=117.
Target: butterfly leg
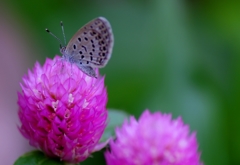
x=71 y=70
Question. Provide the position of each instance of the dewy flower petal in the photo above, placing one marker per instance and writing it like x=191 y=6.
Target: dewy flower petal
x=62 y=110
x=155 y=139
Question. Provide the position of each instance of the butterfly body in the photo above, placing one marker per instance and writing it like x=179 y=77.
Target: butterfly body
x=91 y=46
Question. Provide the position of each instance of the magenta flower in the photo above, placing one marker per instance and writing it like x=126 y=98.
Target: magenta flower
x=155 y=139
x=62 y=110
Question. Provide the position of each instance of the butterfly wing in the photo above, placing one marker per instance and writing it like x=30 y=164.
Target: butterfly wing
x=88 y=70
x=92 y=44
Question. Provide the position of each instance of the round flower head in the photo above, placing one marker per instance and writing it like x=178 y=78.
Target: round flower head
x=155 y=139
x=62 y=110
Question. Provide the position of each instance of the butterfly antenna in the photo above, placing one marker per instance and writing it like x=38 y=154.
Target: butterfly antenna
x=54 y=36
x=61 y=23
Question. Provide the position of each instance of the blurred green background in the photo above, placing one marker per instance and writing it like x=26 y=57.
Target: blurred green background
x=177 y=56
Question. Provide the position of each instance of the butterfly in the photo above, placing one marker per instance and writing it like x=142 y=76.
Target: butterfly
x=90 y=47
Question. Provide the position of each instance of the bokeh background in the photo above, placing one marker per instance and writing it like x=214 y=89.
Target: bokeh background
x=177 y=56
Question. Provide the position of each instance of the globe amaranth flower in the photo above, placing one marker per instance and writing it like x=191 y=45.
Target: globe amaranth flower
x=62 y=110
x=155 y=139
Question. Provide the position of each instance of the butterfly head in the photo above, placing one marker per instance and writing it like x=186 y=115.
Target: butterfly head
x=62 y=51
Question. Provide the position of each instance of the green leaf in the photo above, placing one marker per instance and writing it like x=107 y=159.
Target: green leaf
x=37 y=158
x=97 y=158
x=115 y=118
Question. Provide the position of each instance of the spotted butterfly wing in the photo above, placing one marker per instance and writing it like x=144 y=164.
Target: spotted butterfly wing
x=91 y=47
